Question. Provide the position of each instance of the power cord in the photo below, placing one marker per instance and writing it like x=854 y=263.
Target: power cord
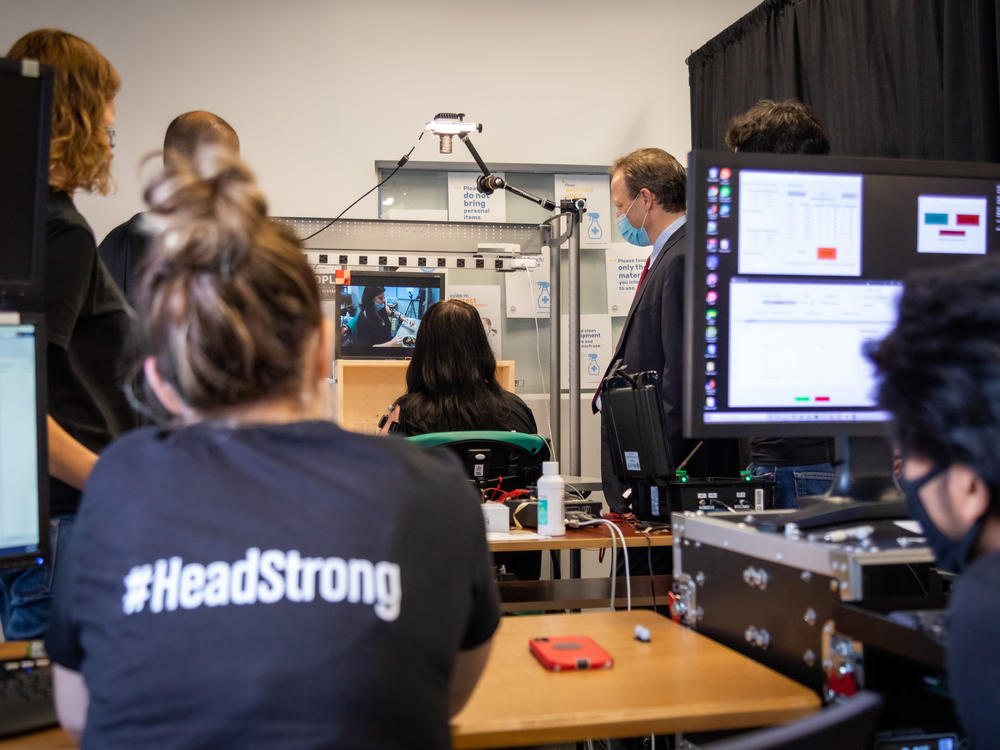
x=405 y=158
x=575 y=522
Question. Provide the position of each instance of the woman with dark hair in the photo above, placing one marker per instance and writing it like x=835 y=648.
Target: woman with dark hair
x=451 y=385
x=88 y=323
x=451 y=380
x=374 y=326
x=248 y=520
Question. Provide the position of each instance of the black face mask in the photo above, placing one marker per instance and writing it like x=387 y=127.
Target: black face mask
x=952 y=554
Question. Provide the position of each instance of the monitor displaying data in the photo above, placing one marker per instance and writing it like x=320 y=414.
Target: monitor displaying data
x=23 y=457
x=795 y=264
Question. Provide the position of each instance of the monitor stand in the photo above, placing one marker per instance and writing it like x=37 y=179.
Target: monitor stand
x=863 y=490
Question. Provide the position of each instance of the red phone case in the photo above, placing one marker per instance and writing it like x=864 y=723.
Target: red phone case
x=570 y=652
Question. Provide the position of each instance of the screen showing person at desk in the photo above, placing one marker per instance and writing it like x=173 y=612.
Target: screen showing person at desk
x=379 y=314
x=797 y=264
x=19 y=475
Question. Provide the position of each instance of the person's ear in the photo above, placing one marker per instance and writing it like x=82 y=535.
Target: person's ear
x=165 y=392
x=970 y=497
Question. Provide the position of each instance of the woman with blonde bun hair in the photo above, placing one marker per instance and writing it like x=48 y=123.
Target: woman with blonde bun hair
x=88 y=323
x=250 y=575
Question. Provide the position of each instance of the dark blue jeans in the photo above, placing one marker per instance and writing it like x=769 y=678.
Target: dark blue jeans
x=26 y=593
x=792 y=482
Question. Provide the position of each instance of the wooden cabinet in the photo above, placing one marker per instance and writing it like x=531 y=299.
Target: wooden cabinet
x=366 y=388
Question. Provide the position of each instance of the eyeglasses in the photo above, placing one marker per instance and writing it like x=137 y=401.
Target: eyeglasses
x=112 y=139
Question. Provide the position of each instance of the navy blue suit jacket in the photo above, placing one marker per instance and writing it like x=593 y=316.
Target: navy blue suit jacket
x=653 y=339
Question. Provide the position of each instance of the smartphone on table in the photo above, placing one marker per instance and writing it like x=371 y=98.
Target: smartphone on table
x=569 y=652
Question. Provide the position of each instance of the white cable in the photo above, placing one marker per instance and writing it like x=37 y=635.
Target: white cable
x=628 y=577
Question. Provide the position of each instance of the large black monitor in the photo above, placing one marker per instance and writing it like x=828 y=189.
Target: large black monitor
x=403 y=297
x=795 y=263
x=26 y=104
x=24 y=482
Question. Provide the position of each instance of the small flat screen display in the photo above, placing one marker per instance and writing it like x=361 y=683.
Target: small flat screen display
x=378 y=313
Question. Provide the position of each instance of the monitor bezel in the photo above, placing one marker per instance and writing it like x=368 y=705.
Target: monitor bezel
x=693 y=423
x=38 y=192
x=25 y=559
x=387 y=278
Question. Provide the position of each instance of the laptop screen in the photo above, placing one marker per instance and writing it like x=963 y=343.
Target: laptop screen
x=23 y=462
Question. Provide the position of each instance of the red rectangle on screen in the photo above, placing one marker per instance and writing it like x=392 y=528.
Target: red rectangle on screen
x=826 y=253
x=952 y=233
x=967 y=220
x=822 y=398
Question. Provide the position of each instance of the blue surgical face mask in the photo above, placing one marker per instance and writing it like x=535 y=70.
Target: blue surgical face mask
x=629 y=233
x=378 y=305
x=952 y=554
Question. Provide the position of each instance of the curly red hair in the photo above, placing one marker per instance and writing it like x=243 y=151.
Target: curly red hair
x=85 y=83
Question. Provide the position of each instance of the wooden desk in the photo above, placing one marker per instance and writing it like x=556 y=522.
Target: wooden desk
x=591 y=537
x=678 y=682
x=47 y=739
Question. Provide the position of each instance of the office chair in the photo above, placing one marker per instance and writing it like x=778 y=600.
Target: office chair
x=844 y=726
x=500 y=461
x=493 y=459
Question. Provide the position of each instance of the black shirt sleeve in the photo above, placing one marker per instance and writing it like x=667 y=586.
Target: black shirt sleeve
x=485 y=612
x=974 y=651
x=69 y=265
x=521 y=419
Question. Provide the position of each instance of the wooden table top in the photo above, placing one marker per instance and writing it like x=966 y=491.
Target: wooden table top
x=590 y=537
x=678 y=682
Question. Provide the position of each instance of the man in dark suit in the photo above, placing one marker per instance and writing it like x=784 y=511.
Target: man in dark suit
x=648 y=189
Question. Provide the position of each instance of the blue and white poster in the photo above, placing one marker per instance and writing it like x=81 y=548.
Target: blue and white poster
x=623 y=265
x=596 y=190
x=466 y=203
x=486 y=299
x=595 y=349
x=529 y=292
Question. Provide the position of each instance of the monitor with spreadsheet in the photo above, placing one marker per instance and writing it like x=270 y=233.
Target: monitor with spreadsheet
x=24 y=481
x=795 y=264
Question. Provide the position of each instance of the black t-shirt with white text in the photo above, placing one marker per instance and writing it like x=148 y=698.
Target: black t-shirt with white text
x=292 y=586
x=974 y=650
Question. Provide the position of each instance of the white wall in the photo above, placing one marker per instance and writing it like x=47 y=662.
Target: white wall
x=318 y=90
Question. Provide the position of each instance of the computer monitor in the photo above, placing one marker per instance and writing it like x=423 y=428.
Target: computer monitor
x=796 y=263
x=26 y=100
x=406 y=296
x=24 y=483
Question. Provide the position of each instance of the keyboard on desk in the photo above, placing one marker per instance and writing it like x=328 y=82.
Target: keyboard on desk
x=26 y=702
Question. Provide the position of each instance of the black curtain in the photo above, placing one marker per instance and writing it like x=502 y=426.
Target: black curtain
x=899 y=78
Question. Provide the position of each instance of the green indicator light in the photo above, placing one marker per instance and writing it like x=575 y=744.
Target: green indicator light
x=801 y=398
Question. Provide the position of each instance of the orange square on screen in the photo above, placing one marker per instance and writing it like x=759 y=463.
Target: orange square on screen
x=826 y=253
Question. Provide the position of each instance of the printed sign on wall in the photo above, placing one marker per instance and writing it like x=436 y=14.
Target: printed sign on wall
x=596 y=190
x=486 y=299
x=466 y=203
x=529 y=293
x=595 y=349
x=623 y=263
